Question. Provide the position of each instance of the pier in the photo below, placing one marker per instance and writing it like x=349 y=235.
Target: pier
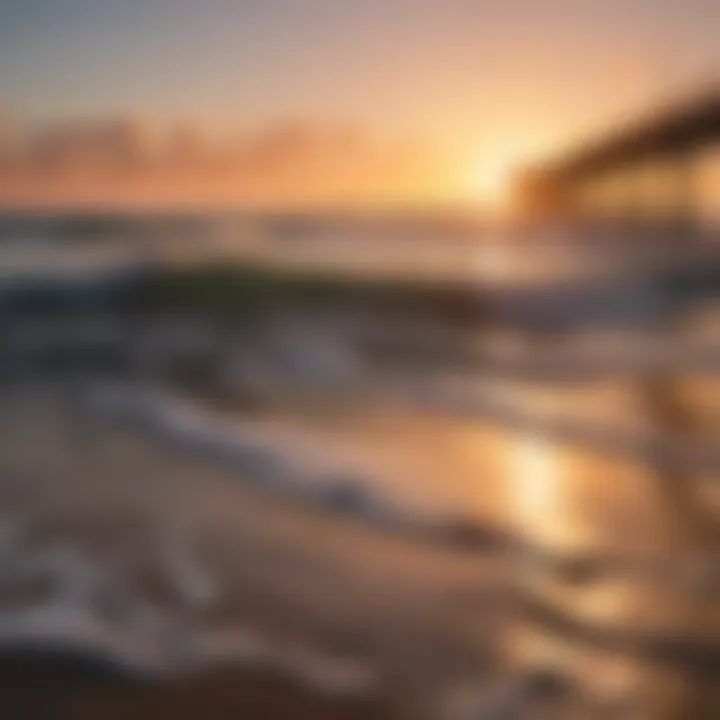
x=653 y=171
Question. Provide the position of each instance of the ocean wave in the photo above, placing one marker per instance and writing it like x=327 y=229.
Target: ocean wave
x=60 y=603
x=296 y=471
x=310 y=473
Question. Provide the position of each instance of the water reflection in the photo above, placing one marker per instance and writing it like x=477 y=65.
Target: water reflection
x=412 y=424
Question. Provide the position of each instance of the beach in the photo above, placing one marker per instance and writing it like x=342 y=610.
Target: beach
x=172 y=564
x=235 y=489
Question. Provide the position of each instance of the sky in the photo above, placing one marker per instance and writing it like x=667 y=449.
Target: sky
x=489 y=81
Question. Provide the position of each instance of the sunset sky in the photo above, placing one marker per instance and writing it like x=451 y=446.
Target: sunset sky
x=458 y=89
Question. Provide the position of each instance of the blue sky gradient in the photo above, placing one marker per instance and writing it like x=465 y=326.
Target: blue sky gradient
x=464 y=68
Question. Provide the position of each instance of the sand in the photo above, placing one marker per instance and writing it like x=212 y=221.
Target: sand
x=253 y=606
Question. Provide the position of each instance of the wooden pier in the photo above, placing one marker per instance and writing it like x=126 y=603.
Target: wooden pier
x=649 y=169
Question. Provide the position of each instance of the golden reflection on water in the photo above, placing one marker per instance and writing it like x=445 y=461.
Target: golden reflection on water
x=571 y=502
x=539 y=495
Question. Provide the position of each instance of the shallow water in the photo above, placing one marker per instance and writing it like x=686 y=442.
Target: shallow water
x=419 y=435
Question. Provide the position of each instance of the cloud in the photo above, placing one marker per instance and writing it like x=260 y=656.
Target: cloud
x=120 y=160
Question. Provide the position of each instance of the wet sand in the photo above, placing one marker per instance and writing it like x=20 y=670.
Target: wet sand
x=307 y=612
x=46 y=688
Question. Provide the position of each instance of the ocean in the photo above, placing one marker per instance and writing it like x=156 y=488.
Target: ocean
x=284 y=448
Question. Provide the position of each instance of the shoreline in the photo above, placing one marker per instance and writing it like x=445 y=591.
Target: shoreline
x=317 y=592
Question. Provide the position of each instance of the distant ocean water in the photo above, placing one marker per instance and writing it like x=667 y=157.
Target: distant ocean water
x=443 y=247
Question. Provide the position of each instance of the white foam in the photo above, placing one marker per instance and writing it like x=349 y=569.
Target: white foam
x=309 y=470
x=86 y=603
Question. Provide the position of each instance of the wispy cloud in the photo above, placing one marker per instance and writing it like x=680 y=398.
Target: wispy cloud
x=121 y=159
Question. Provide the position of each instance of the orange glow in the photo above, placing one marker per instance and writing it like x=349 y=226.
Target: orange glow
x=487 y=180
x=490 y=183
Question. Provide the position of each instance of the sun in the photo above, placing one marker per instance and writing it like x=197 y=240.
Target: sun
x=490 y=181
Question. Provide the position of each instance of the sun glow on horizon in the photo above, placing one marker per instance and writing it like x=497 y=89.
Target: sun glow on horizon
x=489 y=181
